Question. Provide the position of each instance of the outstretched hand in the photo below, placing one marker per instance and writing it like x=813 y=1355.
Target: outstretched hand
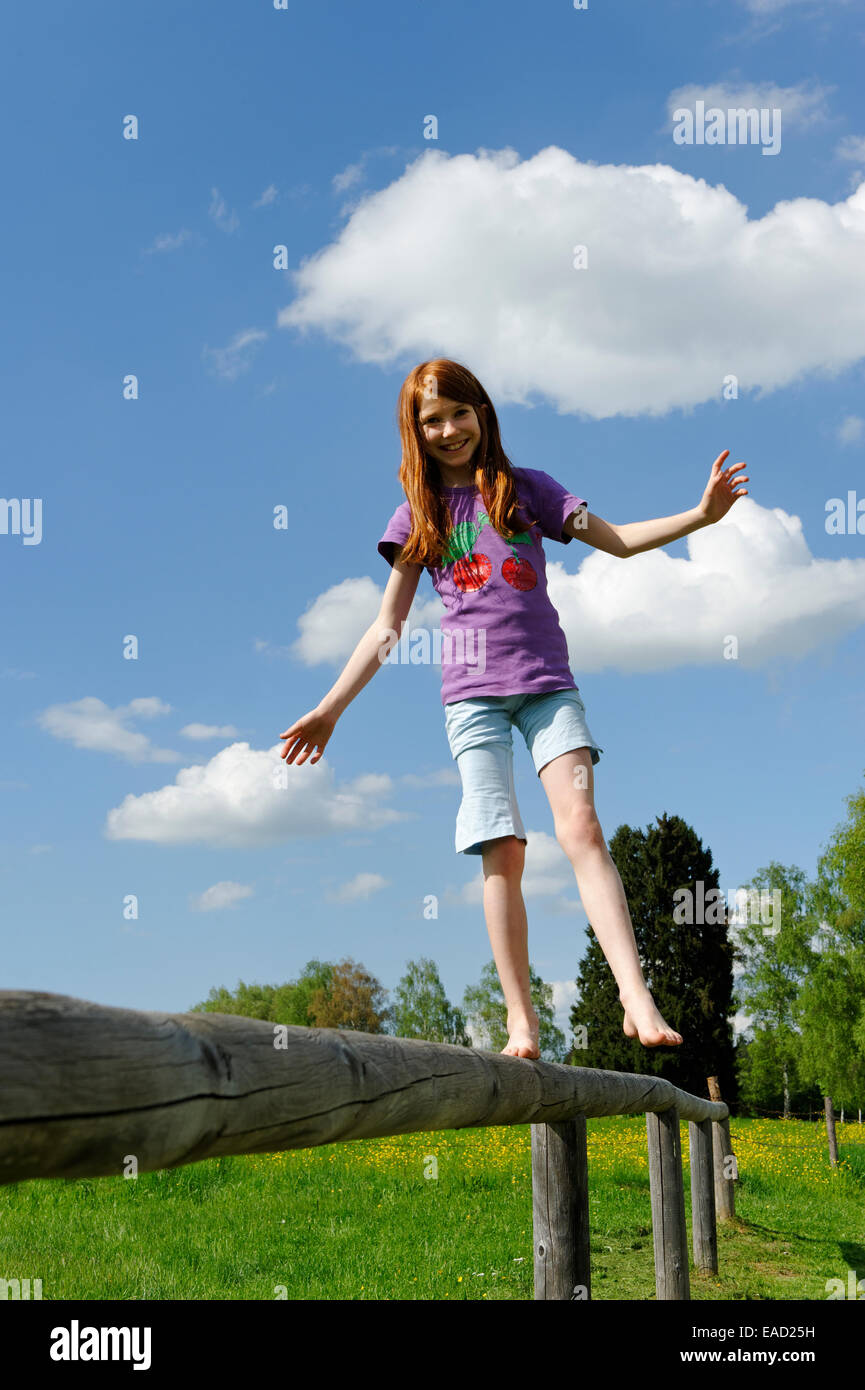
x=307 y=734
x=722 y=489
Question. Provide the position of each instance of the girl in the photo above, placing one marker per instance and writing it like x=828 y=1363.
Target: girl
x=475 y=523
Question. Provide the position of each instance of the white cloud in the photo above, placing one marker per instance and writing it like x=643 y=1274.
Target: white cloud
x=548 y=874
x=218 y=211
x=361 y=886
x=352 y=174
x=564 y=995
x=801 y=106
x=230 y=362
x=168 y=241
x=851 y=147
x=235 y=801
x=668 y=254
x=267 y=197
x=220 y=895
x=548 y=871
x=751 y=576
x=91 y=724
x=334 y=623
x=202 y=731
x=850 y=430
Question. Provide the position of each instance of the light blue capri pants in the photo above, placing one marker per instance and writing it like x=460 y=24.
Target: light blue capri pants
x=481 y=742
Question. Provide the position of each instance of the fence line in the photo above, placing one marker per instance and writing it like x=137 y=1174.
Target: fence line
x=86 y=1089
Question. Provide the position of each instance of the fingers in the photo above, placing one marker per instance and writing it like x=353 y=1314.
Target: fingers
x=299 y=749
x=295 y=743
x=304 y=744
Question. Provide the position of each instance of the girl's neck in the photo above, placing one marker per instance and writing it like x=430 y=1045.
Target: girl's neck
x=447 y=486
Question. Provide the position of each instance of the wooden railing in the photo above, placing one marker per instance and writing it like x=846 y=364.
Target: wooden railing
x=86 y=1090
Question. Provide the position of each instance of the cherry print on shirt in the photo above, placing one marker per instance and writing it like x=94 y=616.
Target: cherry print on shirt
x=472 y=573
x=519 y=573
x=471 y=569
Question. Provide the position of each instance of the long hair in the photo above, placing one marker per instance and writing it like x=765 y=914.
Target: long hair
x=419 y=474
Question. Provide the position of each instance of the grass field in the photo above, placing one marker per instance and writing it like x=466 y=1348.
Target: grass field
x=370 y=1220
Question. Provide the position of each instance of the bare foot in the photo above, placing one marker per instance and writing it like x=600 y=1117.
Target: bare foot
x=523 y=1030
x=643 y=1021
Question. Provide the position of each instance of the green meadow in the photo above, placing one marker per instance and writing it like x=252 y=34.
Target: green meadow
x=430 y=1216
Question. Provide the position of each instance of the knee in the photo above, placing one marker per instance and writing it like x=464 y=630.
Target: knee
x=579 y=830
x=505 y=856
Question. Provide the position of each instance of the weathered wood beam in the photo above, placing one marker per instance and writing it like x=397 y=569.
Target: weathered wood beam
x=86 y=1088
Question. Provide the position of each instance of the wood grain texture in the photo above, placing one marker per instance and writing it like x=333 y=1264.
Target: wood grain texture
x=703 y=1230
x=83 y=1086
x=669 y=1232
x=560 y=1211
x=722 y=1149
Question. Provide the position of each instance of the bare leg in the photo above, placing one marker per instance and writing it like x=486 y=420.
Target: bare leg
x=569 y=783
x=505 y=913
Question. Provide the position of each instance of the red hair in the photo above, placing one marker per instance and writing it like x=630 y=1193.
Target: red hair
x=419 y=474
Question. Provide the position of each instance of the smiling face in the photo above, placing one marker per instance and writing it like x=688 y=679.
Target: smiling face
x=451 y=431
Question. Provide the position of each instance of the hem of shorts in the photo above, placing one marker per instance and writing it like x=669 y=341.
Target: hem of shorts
x=476 y=847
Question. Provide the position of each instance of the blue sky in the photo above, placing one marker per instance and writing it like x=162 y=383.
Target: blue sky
x=260 y=388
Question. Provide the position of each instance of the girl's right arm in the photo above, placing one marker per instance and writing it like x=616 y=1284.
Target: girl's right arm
x=315 y=728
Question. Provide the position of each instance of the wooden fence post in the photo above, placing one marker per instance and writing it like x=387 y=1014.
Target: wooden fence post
x=668 y=1205
x=560 y=1210
x=725 y=1170
x=703 y=1232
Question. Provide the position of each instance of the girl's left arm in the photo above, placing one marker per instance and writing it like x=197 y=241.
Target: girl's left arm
x=623 y=541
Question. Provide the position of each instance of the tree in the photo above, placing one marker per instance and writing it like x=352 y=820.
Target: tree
x=293 y=1001
x=422 y=1009
x=287 y=1003
x=250 y=1001
x=596 y=1017
x=777 y=956
x=354 y=1000
x=484 y=1005
x=830 y=1009
x=680 y=927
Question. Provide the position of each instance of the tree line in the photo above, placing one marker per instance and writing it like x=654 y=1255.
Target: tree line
x=786 y=952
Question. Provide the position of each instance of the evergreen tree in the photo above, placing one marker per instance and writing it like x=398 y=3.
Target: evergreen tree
x=680 y=926
x=596 y=1017
x=423 y=1010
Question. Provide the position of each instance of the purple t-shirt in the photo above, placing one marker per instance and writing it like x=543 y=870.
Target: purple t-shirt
x=500 y=634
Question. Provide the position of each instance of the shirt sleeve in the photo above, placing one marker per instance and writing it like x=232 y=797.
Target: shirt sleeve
x=553 y=505
x=395 y=533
